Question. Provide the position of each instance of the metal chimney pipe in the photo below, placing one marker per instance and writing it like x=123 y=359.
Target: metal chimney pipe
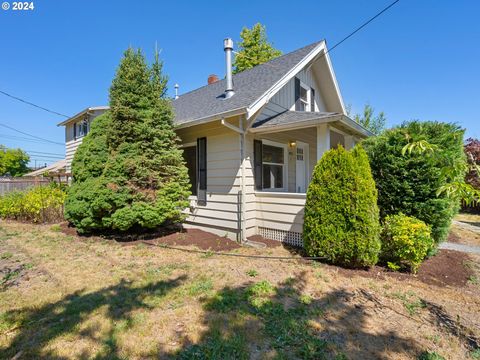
x=228 y=47
x=176 y=91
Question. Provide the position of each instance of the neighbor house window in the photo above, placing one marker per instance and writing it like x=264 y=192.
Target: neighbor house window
x=80 y=129
x=270 y=165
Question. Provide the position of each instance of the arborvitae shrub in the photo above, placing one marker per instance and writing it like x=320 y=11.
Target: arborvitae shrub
x=406 y=241
x=129 y=173
x=341 y=213
x=408 y=183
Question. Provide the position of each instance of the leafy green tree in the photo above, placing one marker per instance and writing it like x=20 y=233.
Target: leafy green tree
x=139 y=180
x=13 y=162
x=370 y=121
x=341 y=221
x=254 y=49
x=411 y=164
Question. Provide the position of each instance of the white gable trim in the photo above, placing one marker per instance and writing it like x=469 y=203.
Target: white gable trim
x=316 y=53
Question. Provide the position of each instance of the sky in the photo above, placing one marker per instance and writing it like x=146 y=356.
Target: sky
x=419 y=60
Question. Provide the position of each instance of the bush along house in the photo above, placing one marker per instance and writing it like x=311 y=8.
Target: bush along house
x=251 y=141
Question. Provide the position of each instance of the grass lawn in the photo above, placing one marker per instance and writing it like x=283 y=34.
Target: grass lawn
x=66 y=297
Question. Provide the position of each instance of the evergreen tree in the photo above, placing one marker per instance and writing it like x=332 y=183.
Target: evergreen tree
x=370 y=121
x=254 y=49
x=341 y=221
x=144 y=182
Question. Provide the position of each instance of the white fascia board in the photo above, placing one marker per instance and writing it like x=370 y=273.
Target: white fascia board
x=253 y=108
x=334 y=80
x=352 y=124
x=227 y=114
x=81 y=113
x=296 y=125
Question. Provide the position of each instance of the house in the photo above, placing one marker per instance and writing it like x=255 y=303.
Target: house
x=251 y=142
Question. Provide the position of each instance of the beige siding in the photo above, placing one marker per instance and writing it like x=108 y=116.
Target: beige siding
x=222 y=211
x=281 y=211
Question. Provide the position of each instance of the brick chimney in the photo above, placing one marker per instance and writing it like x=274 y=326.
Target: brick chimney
x=212 y=78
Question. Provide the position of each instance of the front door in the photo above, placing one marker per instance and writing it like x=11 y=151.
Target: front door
x=301 y=167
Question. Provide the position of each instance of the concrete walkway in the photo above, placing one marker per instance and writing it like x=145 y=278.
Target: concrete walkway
x=467 y=226
x=460 y=247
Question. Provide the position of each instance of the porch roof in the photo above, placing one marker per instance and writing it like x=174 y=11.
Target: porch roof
x=289 y=120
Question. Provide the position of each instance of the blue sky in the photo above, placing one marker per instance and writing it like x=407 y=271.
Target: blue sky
x=417 y=61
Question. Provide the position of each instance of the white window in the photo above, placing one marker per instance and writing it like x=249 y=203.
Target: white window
x=81 y=128
x=304 y=97
x=274 y=168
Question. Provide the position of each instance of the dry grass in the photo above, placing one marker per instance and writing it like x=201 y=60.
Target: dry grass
x=71 y=298
x=467 y=236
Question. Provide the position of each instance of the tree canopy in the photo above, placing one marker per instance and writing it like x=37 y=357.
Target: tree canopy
x=129 y=172
x=13 y=162
x=370 y=121
x=254 y=48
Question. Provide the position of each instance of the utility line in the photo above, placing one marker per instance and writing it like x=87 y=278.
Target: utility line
x=32 y=104
x=41 y=152
x=33 y=136
x=338 y=43
x=13 y=137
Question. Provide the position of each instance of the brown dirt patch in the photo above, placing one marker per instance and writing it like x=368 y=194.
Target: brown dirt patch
x=447 y=268
x=269 y=243
x=198 y=238
x=454 y=238
x=174 y=237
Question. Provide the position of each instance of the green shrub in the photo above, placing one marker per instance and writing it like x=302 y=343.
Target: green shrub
x=38 y=204
x=341 y=213
x=408 y=183
x=406 y=241
x=129 y=173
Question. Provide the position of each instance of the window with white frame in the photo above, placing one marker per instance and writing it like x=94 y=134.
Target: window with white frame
x=304 y=97
x=273 y=166
x=81 y=128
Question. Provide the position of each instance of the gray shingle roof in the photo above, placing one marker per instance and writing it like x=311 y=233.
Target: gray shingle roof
x=249 y=85
x=289 y=117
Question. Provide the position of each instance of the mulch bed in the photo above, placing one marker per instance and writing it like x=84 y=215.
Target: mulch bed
x=447 y=268
x=454 y=238
x=173 y=237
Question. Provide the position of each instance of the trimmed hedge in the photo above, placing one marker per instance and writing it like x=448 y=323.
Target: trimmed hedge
x=38 y=204
x=406 y=241
x=341 y=214
x=408 y=183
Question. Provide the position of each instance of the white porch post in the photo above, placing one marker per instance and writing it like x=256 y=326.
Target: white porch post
x=323 y=139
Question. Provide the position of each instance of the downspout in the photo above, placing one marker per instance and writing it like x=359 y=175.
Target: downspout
x=243 y=203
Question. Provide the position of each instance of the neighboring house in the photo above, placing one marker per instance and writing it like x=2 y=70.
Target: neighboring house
x=251 y=142
x=58 y=168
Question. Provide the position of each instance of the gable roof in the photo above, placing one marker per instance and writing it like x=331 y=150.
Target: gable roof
x=249 y=86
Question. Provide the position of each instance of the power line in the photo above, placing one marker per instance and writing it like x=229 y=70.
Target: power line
x=33 y=136
x=13 y=137
x=32 y=104
x=42 y=152
x=362 y=26
x=338 y=43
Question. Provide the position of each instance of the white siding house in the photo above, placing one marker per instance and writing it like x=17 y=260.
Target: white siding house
x=262 y=143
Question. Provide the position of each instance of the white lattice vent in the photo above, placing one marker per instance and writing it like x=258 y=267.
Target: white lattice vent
x=288 y=237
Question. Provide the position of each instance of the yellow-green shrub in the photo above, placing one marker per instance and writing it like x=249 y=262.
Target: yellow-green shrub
x=37 y=204
x=406 y=241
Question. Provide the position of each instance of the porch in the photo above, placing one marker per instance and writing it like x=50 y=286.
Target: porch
x=288 y=156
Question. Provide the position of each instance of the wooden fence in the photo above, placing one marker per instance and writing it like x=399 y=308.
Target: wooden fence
x=8 y=185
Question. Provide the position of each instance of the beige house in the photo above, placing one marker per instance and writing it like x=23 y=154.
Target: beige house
x=251 y=142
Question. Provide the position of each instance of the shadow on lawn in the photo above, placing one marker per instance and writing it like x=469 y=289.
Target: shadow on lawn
x=280 y=322
x=39 y=326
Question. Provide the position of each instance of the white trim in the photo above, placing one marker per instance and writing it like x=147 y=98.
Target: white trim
x=207 y=119
x=231 y=126
x=306 y=160
x=190 y=144
x=83 y=112
x=335 y=83
x=252 y=109
x=285 y=164
x=280 y=194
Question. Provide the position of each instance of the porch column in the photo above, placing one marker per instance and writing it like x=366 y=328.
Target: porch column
x=323 y=139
